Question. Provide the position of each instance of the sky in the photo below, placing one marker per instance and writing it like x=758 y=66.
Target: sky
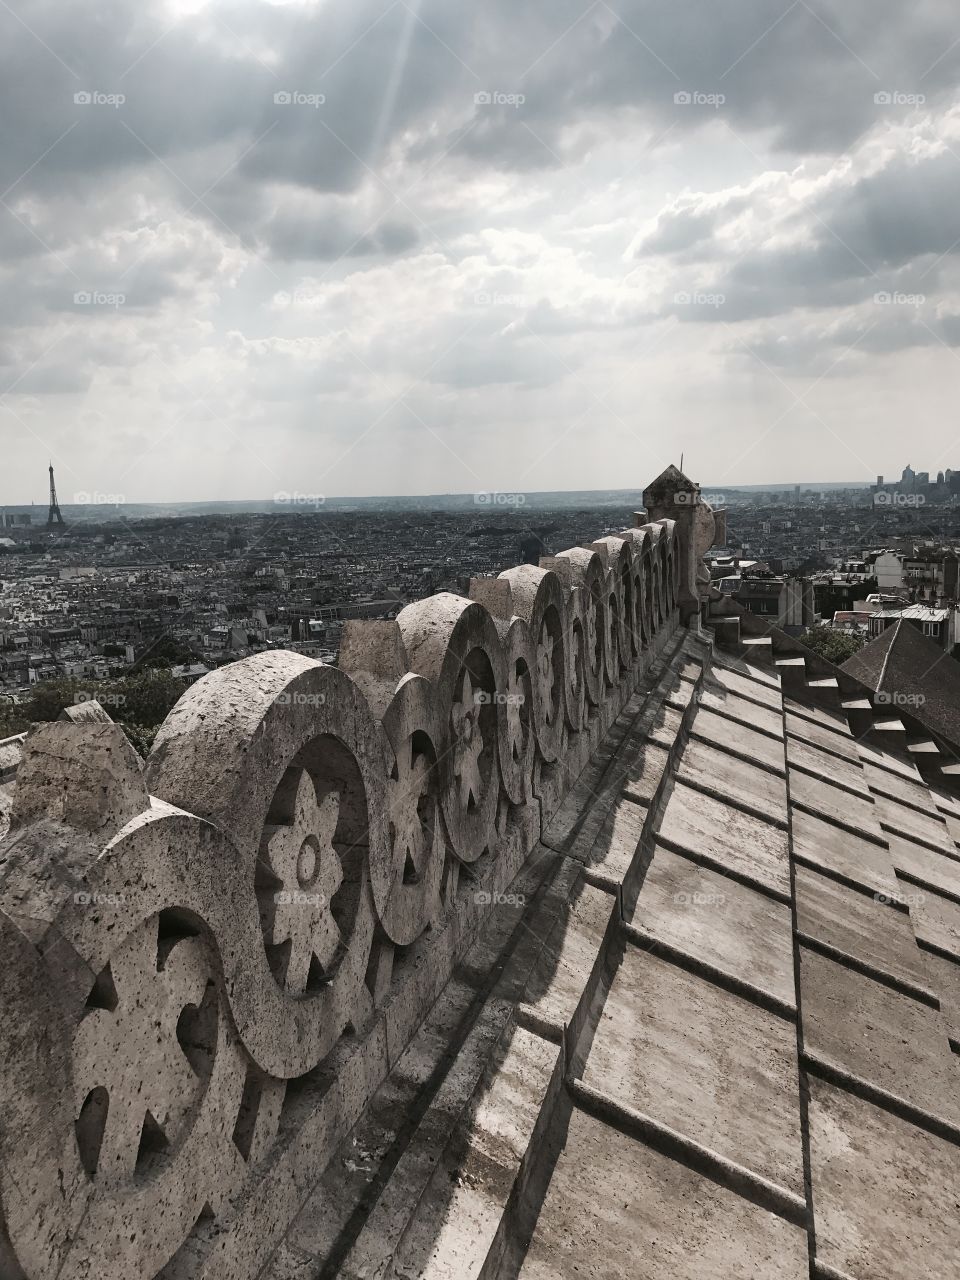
x=345 y=247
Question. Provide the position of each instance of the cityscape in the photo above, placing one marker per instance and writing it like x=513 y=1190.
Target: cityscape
x=479 y=640
x=96 y=596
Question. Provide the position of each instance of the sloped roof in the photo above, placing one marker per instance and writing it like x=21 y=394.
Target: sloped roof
x=723 y=1005
x=909 y=666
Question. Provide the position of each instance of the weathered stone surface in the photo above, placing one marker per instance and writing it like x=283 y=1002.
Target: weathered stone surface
x=704 y=1062
x=665 y=726
x=817 y=715
x=866 y=928
x=936 y=920
x=86 y=776
x=885 y=1193
x=897 y=787
x=615 y=1205
x=844 y=773
x=879 y=1036
x=573 y=947
x=850 y=811
x=827 y=736
x=944 y=978
x=614 y=849
x=886 y=761
x=460 y=1211
x=718 y=729
x=728 y=776
x=764 y=688
x=924 y=866
x=831 y=849
x=929 y=827
x=709 y=828
x=712 y=918
x=767 y=719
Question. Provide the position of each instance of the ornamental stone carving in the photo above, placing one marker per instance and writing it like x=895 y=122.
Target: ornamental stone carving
x=211 y=959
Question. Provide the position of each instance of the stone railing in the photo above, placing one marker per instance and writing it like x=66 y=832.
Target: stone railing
x=210 y=961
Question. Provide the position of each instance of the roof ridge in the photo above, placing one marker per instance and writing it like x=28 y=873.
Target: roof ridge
x=886 y=657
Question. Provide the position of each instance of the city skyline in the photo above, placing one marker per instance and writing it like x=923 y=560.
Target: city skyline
x=406 y=248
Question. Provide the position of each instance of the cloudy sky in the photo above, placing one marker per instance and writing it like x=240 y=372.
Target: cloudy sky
x=410 y=246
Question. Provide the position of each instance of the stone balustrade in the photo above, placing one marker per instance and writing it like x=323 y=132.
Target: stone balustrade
x=211 y=959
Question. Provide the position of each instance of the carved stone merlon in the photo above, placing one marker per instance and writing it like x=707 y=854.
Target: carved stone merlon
x=674 y=496
x=86 y=776
x=495 y=595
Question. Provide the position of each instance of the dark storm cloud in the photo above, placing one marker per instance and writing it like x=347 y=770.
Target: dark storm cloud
x=296 y=131
x=407 y=76
x=891 y=231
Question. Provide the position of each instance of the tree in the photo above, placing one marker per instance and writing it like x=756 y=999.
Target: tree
x=139 y=702
x=166 y=652
x=835 y=646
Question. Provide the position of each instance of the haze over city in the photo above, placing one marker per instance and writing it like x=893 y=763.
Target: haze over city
x=379 y=247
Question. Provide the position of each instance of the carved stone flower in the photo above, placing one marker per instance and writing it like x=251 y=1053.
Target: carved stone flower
x=301 y=858
x=405 y=793
x=515 y=704
x=131 y=1052
x=545 y=675
x=468 y=742
x=590 y=621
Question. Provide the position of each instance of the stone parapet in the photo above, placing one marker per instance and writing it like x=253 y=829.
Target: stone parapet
x=211 y=959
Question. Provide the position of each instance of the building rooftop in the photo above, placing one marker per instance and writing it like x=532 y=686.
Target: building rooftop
x=908 y=668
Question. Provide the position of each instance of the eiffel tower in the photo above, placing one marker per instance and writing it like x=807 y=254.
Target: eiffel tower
x=54 y=515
